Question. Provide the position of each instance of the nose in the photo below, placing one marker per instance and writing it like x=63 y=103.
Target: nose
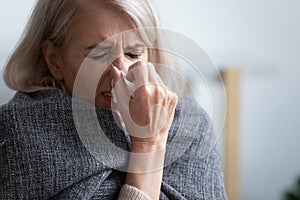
x=121 y=63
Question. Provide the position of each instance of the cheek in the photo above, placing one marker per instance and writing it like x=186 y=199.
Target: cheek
x=95 y=72
x=89 y=76
x=70 y=72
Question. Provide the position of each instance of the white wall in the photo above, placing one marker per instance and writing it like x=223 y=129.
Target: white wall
x=262 y=38
x=13 y=17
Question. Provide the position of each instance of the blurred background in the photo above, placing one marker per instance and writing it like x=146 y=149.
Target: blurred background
x=259 y=38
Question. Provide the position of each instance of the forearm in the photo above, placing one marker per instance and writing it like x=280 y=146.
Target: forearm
x=145 y=168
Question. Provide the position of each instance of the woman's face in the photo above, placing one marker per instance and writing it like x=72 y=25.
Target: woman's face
x=95 y=61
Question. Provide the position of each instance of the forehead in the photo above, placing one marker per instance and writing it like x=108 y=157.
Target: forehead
x=101 y=24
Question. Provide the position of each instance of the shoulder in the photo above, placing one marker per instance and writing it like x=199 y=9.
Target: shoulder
x=23 y=100
x=192 y=155
x=38 y=141
x=41 y=108
x=192 y=130
x=22 y=103
x=192 y=113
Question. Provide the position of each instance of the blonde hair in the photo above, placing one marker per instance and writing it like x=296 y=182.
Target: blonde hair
x=26 y=69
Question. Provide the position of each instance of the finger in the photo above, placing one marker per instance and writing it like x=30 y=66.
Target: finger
x=173 y=101
x=158 y=118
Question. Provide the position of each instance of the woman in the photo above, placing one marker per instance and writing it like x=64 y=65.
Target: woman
x=72 y=49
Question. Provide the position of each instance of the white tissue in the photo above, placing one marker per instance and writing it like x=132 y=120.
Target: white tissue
x=129 y=86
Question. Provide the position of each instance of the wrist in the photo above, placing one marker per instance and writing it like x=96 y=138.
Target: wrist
x=146 y=162
x=149 y=144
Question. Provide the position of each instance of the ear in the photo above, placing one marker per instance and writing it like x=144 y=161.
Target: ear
x=53 y=60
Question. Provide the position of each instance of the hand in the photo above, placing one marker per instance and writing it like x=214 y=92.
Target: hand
x=148 y=110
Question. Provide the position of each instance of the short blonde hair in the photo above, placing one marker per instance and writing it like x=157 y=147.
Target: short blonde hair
x=26 y=69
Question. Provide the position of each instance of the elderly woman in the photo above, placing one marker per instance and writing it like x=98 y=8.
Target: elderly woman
x=73 y=49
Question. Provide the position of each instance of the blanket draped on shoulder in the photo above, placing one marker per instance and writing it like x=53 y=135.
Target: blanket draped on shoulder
x=43 y=156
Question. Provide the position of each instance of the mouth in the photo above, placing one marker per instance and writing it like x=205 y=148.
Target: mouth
x=107 y=98
x=107 y=94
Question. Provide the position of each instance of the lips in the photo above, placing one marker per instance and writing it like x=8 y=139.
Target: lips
x=107 y=94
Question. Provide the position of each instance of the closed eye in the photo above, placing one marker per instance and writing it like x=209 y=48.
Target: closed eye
x=133 y=55
x=98 y=57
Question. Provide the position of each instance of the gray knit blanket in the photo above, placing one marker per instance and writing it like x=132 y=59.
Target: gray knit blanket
x=43 y=157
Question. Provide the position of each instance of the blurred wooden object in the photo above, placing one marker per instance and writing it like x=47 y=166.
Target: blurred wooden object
x=231 y=79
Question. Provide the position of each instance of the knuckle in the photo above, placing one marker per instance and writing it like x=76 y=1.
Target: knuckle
x=173 y=98
x=151 y=66
x=160 y=91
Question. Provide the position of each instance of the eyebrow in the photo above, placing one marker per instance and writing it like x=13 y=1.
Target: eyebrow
x=97 y=46
x=128 y=48
x=135 y=46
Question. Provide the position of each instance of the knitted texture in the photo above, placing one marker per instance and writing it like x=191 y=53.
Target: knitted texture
x=43 y=157
x=130 y=192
